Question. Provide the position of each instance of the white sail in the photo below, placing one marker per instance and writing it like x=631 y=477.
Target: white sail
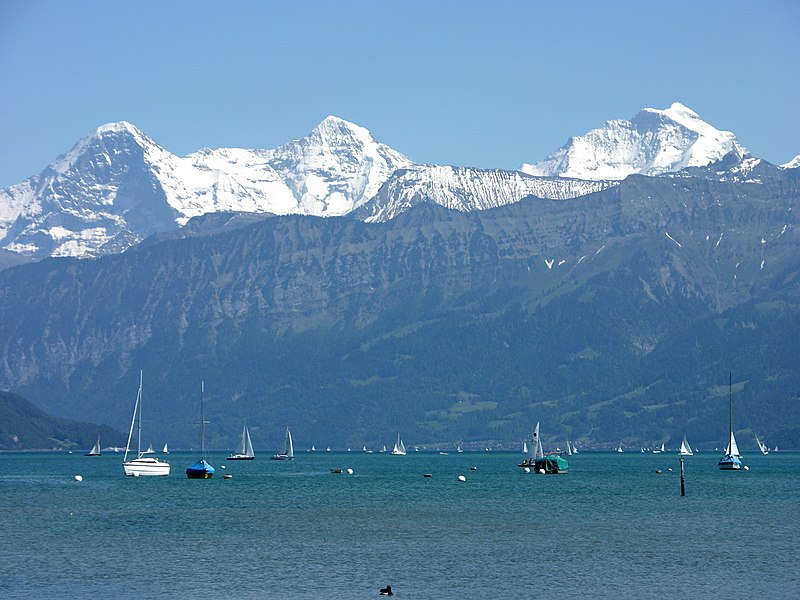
x=535 y=447
x=95 y=451
x=247 y=448
x=762 y=446
x=166 y=449
x=569 y=449
x=732 y=449
x=525 y=447
x=686 y=449
x=289 y=449
x=399 y=447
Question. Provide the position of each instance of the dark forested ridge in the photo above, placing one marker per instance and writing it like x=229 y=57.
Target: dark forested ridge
x=23 y=426
x=611 y=318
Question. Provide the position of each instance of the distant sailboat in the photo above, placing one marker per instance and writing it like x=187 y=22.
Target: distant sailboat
x=619 y=448
x=550 y=464
x=762 y=446
x=732 y=461
x=574 y=448
x=166 y=449
x=95 y=451
x=141 y=465
x=659 y=450
x=288 y=448
x=399 y=448
x=686 y=449
x=201 y=469
x=246 y=452
x=525 y=447
x=569 y=449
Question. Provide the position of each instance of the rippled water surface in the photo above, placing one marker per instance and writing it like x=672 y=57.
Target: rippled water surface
x=612 y=527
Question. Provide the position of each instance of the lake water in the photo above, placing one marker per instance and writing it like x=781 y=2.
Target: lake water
x=611 y=528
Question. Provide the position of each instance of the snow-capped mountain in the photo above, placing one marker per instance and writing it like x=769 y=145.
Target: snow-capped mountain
x=653 y=142
x=792 y=164
x=117 y=186
x=467 y=189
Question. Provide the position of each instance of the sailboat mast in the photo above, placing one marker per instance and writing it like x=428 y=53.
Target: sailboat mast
x=202 y=422
x=730 y=407
x=139 y=442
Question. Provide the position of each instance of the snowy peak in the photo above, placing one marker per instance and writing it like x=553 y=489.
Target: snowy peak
x=654 y=142
x=336 y=168
x=792 y=164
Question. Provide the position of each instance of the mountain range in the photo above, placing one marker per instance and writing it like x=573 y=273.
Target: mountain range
x=452 y=303
x=116 y=186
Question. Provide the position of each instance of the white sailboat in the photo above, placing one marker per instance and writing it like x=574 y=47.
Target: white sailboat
x=569 y=449
x=288 y=448
x=399 y=448
x=574 y=448
x=533 y=450
x=762 y=446
x=95 y=451
x=619 y=448
x=141 y=465
x=246 y=452
x=659 y=450
x=732 y=460
x=686 y=449
x=166 y=449
x=525 y=447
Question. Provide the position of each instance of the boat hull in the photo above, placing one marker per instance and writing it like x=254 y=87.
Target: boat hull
x=281 y=457
x=146 y=467
x=730 y=463
x=200 y=470
x=549 y=465
x=240 y=457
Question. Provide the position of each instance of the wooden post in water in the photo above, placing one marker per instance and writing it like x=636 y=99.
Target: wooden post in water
x=683 y=485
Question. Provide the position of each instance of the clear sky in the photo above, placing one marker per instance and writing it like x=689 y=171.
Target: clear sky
x=483 y=84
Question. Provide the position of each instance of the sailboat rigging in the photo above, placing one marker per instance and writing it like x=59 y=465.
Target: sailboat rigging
x=399 y=448
x=686 y=449
x=141 y=465
x=201 y=469
x=288 y=448
x=536 y=460
x=246 y=452
x=95 y=451
x=732 y=461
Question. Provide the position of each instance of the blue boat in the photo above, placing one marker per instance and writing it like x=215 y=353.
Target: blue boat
x=201 y=469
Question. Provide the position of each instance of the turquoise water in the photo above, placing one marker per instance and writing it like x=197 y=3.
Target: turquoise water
x=612 y=527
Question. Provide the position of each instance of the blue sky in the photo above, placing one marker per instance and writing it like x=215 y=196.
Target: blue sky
x=484 y=84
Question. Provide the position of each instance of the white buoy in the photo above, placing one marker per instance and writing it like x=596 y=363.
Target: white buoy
x=527 y=469
x=462 y=478
x=349 y=471
x=541 y=471
x=746 y=468
x=222 y=466
x=227 y=476
x=669 y=469
x=78 y=478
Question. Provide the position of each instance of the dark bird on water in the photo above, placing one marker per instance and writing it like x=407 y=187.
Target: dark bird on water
x=387 y=591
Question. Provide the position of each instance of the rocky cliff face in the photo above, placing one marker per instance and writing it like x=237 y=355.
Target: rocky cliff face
x=340 y=315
